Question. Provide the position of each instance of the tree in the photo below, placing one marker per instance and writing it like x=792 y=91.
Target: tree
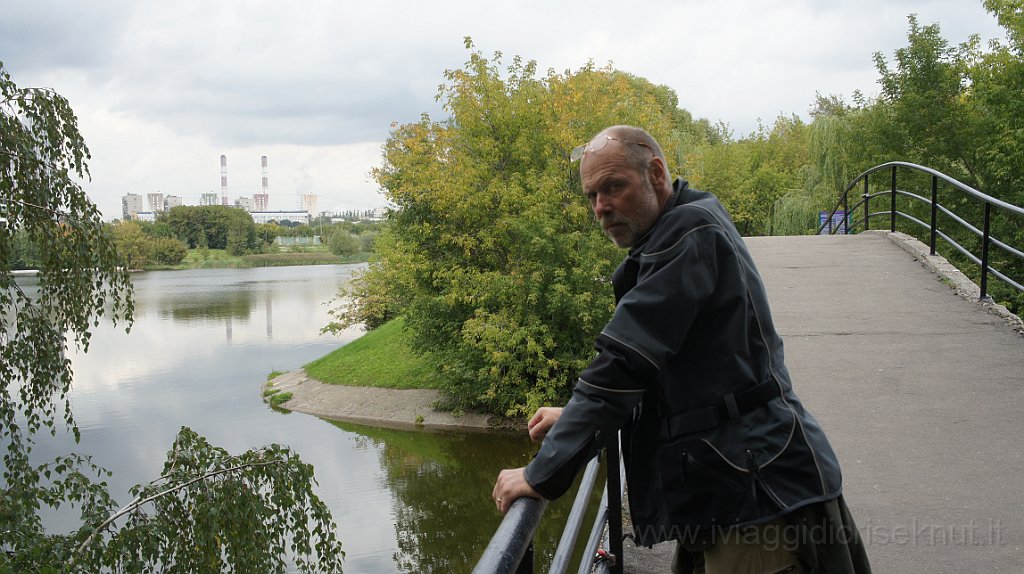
x=220 y=226
x=266 y=233
x=997 y=81
x=167 y=250
x=492 y=256
x=132 y=244
x=343 y=243
x=266 y=494
x=750 y=175
x=925 y=97
x=140 y=249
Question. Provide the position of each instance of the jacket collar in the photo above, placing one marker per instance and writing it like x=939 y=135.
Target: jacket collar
x=679 y=196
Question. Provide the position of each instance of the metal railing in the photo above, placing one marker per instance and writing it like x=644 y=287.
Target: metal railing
x=511 y=548
x=984 y=234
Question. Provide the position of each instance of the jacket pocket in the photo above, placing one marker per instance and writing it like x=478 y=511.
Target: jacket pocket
x=695 y=470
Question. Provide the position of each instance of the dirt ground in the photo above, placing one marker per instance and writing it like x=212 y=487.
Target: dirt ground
x=394 y=408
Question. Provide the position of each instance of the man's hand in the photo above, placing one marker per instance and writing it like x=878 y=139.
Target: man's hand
x=542 y=421
x=511 y=484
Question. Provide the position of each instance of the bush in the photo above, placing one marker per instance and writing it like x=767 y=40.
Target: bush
x=167 y=251
x=343 y=243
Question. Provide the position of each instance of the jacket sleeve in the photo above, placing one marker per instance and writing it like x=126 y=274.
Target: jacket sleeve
x=676 y=276
x=591 y=416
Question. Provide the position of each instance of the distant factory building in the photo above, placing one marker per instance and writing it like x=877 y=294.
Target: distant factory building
x=260 y=201
x=208 y=199
x=245 y=203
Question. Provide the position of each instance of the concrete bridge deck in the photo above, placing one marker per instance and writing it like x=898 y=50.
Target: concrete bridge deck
x=921 y=392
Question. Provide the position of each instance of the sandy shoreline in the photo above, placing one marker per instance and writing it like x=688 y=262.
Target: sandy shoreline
x=392 y=408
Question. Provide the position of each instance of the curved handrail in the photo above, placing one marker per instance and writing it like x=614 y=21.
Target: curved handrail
x=954 y=182
x=986 y=239
x=513 y=538
x=510 y=548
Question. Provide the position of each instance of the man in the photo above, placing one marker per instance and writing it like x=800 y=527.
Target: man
x=720 y=454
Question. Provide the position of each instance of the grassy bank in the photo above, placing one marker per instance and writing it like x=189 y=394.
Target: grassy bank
x=380 y=358
x=221 y=259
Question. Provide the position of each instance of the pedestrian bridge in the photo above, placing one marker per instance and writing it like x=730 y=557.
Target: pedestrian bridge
x=920 y=389
x=919 y=382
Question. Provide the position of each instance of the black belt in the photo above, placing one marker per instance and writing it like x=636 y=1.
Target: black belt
x=730 y=408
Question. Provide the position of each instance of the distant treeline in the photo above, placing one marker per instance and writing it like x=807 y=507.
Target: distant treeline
x=166 y=241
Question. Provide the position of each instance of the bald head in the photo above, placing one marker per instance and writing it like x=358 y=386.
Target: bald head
x=626 y=181
x=643 y=150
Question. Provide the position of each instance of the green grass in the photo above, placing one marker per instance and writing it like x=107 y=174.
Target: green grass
x=278 y=398
x=221 y=259
x=380 y=358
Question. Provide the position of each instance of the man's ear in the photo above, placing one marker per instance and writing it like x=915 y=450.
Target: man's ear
x=656 y=174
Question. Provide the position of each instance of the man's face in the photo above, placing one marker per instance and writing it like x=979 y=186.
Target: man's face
x=623 y=200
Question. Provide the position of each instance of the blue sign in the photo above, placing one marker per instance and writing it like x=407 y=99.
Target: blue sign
x=838 y=224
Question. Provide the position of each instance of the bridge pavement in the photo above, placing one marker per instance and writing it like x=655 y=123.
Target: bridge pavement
x=921 y=392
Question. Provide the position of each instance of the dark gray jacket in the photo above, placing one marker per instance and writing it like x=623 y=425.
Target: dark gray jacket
x=691 y=369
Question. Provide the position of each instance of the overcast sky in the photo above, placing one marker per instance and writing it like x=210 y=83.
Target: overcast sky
x=162 y=89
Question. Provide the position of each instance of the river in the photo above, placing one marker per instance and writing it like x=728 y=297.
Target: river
x=202 y=344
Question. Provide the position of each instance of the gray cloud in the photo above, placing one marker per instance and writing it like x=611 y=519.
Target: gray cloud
x=45 y=34
x=162 y=89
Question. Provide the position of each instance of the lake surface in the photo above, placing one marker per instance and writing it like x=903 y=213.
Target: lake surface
x=202 y=345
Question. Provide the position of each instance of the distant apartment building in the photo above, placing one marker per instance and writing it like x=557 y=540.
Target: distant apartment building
x=268 y=216
x=245 y=203
x=149 y=216
x=260 y=200
x=156 y=201
x=131 y=205
x=309 y=203
x=172 y=201
x=208 y=199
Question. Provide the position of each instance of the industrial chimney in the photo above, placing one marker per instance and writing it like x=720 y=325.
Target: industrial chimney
x=263 y=162
x=224 y=179
x=262 y=199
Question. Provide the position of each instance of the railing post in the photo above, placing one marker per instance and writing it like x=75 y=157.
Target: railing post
x=611 y=457
x=867 y=212
x=935 y=208
x=984 y=254
x=526 y=564
x=892 y=208
x=846 y=214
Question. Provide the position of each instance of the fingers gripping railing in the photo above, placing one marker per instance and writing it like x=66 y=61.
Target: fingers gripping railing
x=983 y=260
x=511 y=548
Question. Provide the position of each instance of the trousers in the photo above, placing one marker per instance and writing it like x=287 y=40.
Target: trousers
x=817 y=539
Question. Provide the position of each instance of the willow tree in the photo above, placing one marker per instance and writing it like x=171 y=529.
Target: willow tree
x=209 y=511
x=492 y=255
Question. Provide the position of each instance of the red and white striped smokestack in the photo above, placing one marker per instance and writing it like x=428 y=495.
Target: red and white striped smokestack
x=224 y=178
x=263 y=163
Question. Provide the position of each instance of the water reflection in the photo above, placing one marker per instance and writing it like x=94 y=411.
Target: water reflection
x=441 y=483
x=189 y=307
